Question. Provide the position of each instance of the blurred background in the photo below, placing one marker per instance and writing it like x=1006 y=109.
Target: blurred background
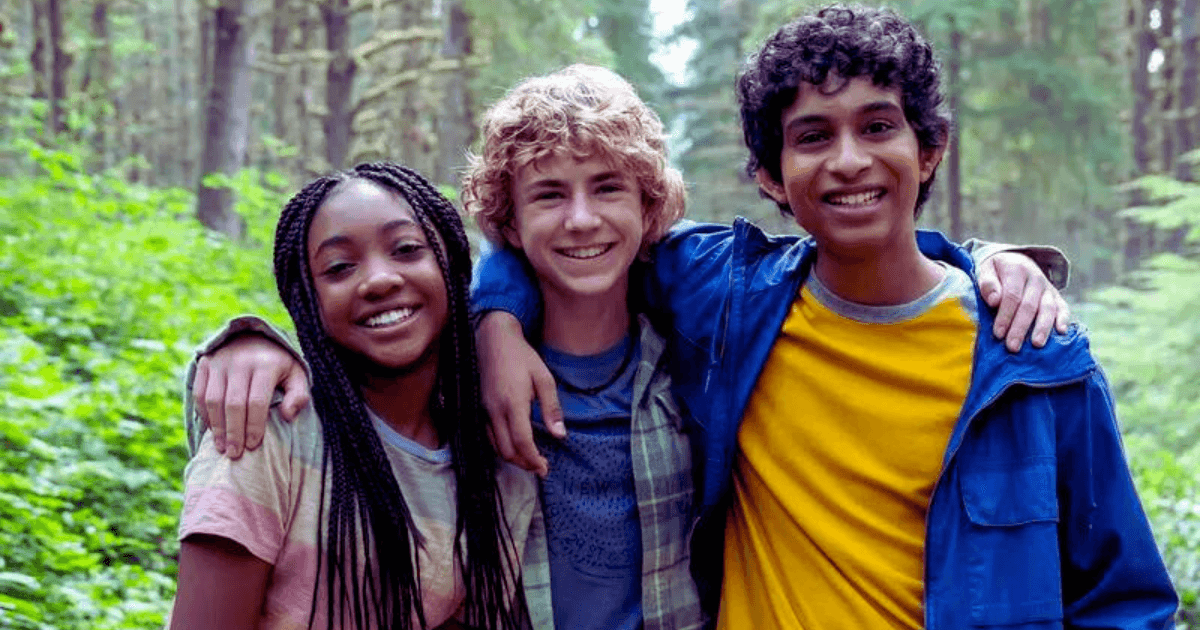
x=146 y=147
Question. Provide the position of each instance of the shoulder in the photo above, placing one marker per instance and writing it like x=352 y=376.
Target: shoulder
x=282 y=443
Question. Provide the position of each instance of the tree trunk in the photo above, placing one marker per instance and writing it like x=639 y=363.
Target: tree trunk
x=37 y=56
x=954 y=159
x=227 y=116
x=455 y=125
x=1170 y=49
x=414 y=147
x=98 y=80
x=60 y=62
x=281 y=28
x=1143 y=38
x=339 y=81
x=304 y=97
x=1187 y=125
x=190 y=90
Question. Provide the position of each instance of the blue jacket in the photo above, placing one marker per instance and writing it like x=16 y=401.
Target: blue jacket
x=1034 y=520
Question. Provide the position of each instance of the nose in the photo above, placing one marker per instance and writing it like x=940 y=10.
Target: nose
x=850 y=157
x=380 y=279
x=580 y=213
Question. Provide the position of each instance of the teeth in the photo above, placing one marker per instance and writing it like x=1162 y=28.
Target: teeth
x=857 y=199
x=390 y=317
x=585 y=252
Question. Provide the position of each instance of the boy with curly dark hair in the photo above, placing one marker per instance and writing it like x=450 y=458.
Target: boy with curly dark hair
x=869 y=455
x=957 y=484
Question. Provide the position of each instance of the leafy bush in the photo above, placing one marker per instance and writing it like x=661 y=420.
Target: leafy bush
x=107 y=288
x=1147 y=336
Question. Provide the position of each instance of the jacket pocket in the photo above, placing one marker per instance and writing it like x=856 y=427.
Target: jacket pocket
x=1011 y=543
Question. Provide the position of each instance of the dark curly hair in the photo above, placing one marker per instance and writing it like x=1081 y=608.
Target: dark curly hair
x=366 y=508
x=848 y=41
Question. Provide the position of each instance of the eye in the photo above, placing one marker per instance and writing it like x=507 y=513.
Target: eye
x=408 y=249
x=809 y=137
x=336 y=270
x=610 y=187
x=879 y=126
x=547 y=195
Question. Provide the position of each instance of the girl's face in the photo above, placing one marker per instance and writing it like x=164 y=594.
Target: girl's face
x=382 y=295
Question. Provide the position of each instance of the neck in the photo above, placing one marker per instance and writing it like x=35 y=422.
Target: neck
x=887 y=278
x=585 y=325
x=402 y=401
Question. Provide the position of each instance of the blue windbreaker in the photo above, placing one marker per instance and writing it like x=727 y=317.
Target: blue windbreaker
x=1034 y=521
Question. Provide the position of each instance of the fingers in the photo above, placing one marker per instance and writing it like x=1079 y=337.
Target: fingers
x=1024 y=314
x=498 y=427
x=1047 y=316
x=237 y=393
x=199 y=386
x=212 y=400
x=258 y=408
x=546 y=391
x=295 y=393
x=989 y=284
x=520 y=431
x=1063 y=320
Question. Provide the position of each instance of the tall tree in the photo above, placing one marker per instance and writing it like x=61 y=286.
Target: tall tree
x=227 y=116
x=97 y=82
x=954 y=156
x=339 y=81
x=714 y=152
x=455 y=121
x=59 y=64
x=625 y=26
x=1187 y=123
x=37 y=54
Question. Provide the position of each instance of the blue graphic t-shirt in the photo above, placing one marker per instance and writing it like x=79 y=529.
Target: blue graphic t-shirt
x=590 y=505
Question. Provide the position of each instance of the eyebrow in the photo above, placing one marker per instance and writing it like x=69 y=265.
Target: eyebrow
x=339 y=239
x=551 y=182
x=869 y=108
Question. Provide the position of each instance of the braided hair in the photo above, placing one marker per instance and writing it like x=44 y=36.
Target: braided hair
x=365 y=502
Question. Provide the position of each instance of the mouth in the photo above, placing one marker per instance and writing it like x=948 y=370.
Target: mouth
x=850 y=200
x=586 y=252
x=387 y=318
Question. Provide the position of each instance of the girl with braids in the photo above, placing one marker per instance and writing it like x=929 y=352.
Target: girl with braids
x=380 y=505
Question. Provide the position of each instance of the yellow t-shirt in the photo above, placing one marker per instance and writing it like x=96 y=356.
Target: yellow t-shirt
x=839 y=449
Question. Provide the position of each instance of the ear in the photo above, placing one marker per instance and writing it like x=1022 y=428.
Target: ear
x=768 y=185
x=511 y=236
x=930 y=158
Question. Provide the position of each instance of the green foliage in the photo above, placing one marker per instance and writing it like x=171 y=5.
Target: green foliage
x=108 y=287
x=1147 y=336
x=1170 y=492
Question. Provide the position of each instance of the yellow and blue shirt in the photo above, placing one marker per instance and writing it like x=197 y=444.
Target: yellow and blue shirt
x=836 y=489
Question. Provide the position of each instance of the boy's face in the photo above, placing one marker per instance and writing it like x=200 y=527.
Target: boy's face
x=851 y=167
x=579 y=223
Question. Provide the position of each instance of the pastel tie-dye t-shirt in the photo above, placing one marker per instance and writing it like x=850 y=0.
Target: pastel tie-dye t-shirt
x=268 y=501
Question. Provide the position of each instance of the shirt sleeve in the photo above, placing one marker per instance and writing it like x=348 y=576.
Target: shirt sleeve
x=245 y=324
x=1051 y=260
x=247 y=500
x=504 y=281
x=1113 y=575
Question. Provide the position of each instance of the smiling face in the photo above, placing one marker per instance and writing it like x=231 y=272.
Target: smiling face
x=851 y=168
x=381 y=292
x=580 y=224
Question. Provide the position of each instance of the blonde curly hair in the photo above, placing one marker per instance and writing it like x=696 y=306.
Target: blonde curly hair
x=583 y=111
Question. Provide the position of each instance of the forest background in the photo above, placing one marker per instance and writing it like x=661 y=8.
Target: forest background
x=147 y=146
